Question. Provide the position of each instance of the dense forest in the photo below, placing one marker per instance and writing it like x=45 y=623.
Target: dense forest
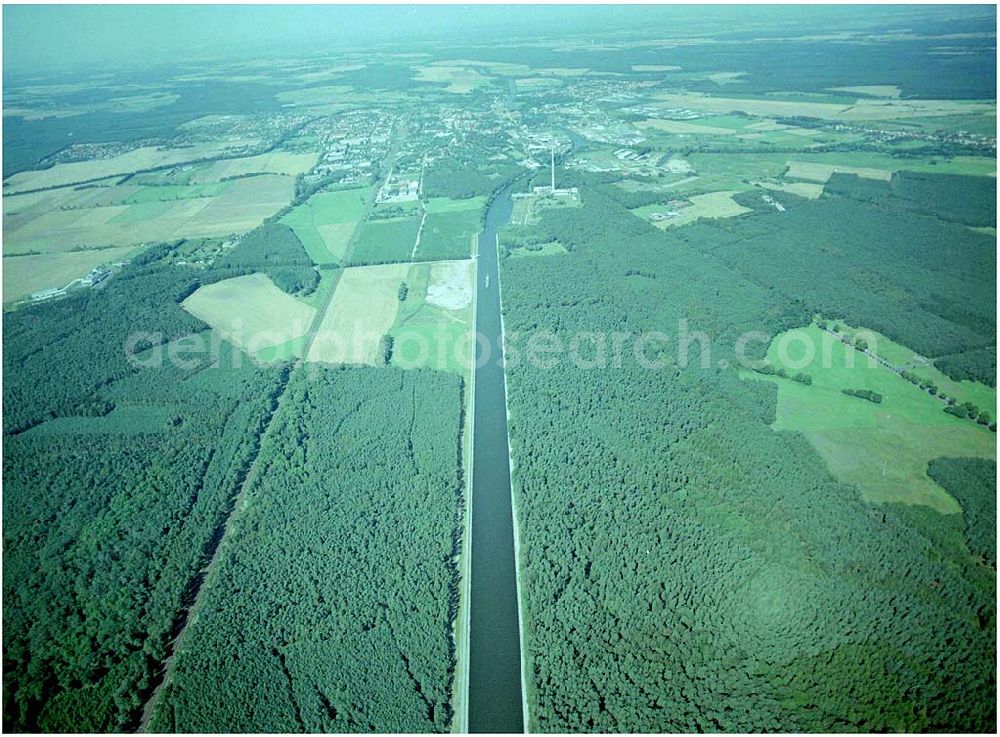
x=463 y=180
x=973 y=482
x=333 y=604
x=959 y=199
x=920 y=280
x=106 y=523
x=118 y=471
x=58 y=355
x=685 y=567
x=275 y=250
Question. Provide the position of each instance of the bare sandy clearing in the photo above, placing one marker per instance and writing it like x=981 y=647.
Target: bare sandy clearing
x=450 y=284
x=809 y=190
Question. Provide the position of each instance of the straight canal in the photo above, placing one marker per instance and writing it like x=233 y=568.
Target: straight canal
x=495 y=700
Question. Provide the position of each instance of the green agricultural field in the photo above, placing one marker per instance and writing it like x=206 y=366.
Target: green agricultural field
x=884 y=448
x=146 y=157
x=325 y=222
x=698 y=127
x=328 y=279
x=433 y=327
x=979 y=166
x=140 y=212
x=286 y=351
x=60 y=221
x=384 y=241
x=448 y=235
x=975 y=165
x=726 y=171
x=275 y=162
x=814 y=171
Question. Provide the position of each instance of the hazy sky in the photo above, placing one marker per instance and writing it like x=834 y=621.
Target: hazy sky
x=39 y=38
x=42 y=37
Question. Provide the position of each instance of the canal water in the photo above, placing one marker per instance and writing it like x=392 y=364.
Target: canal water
x=495 y=700
x=494 y=638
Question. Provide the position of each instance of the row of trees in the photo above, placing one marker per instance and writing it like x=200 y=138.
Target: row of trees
x=685 y=567
x=866 y=394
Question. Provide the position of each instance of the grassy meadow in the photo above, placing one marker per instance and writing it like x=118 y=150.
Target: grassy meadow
x=709 y=205
x=381 y=241
x=884 y=448
x=325 y=222
x=433 y=328
x=449 y=229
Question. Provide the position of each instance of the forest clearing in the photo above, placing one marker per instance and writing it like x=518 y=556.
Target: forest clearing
x=361 y=312
x=250 y=311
